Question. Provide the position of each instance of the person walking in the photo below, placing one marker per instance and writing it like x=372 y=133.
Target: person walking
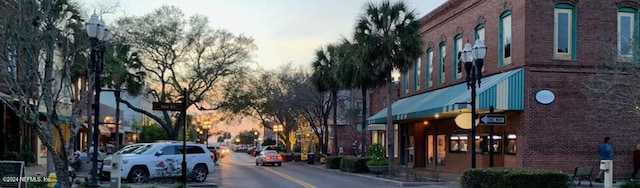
x=636 y=162
x=606 y=153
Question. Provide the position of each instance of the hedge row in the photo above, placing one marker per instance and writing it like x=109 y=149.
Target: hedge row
x=333 y=162
x=514 y=178
x=354 y=164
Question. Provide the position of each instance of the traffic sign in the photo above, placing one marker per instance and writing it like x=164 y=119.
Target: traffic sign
x=165 y=106
x=493 y=119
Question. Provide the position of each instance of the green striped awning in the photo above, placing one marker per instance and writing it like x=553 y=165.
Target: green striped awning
x=504 y=91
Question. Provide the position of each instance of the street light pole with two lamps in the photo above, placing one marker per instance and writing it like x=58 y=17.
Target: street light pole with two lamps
x=98 y=35
x=473 y=58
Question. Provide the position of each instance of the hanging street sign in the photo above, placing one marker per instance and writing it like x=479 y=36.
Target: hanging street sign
x=493 y=119
x=164 y=106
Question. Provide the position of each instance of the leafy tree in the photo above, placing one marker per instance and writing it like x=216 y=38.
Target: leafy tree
x=181 y=54
x=247 y=137
x=269 y=141
x=151 y=133
x=280 y=97
x=388 y=34
x=220 y=139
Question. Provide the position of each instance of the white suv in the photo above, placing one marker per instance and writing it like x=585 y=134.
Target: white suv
x=160 y=160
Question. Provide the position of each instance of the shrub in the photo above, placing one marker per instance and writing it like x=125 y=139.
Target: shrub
x=376 y=153
x=333 y=162
x=354 y=164
x=514 y=177
x=631 y=184
x=297 y=149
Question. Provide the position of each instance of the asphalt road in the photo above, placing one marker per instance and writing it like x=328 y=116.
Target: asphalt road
x=239 y=170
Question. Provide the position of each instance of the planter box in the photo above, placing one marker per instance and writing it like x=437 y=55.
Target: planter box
x=378 y=169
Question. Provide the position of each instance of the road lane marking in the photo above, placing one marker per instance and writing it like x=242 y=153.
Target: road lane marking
x=304 y=184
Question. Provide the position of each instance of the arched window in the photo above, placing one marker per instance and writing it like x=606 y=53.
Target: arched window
x=505 y=39
x=429 y=65
x=457 y=48
x=442 y=55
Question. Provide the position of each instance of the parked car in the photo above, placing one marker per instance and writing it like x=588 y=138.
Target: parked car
x=144 y=162
x=269 y=157
x=250 y=150
x=215 y=152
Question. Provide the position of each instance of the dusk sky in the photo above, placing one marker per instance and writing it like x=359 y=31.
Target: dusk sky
x=285 y=31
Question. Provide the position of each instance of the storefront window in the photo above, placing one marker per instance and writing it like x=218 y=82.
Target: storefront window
x=442 y=151
x=396 y=147
x=458 y=143
x=483 y=143
x=430 y=159
x=511 y=144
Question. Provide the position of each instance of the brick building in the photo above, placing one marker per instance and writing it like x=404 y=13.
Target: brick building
x=538 y=55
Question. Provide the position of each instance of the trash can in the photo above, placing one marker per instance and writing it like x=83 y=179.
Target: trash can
x=309 y=158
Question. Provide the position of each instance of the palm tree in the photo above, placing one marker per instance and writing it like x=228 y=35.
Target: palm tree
x=388 y=34
x=350 y=73
x=323 y=78
x=123 y=69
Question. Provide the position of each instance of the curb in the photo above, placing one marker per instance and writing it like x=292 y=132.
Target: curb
x=398 y=183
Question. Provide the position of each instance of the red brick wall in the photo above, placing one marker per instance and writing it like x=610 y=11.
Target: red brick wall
x=378 y=98
x=346 y=136
x=558 y=136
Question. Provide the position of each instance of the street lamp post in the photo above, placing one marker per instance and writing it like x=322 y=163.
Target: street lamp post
x=277 y=129
x=473 y=58
x=98 y=34
x=206 y=126
x=255 y=138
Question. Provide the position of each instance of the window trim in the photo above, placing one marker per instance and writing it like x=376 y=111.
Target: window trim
x=573 y=31
x=475 y=31
x=454 y=71
x=634 y=37
x=476 y=35
x=416 y=74
x=405 y=82
x=501 y=36
x=441 y=68
x=429 y=67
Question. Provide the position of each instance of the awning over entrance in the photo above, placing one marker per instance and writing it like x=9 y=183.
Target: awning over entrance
x=504 y=91
x=376 y=127
x=104 y=130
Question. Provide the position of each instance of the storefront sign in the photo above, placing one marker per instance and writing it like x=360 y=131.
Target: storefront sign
x=10 y=170
x=493 y=119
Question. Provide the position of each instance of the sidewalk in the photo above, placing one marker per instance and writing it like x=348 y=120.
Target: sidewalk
x=449 y=180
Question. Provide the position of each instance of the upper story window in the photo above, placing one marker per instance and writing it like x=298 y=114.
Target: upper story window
x=457 y=48
x=479 y=34
x=564 y=33
x=429 y=61
x=443 y=55
x=505 y=40
x=416 y=75
x=405 y=82
x=12 y=57
x=626 y=32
